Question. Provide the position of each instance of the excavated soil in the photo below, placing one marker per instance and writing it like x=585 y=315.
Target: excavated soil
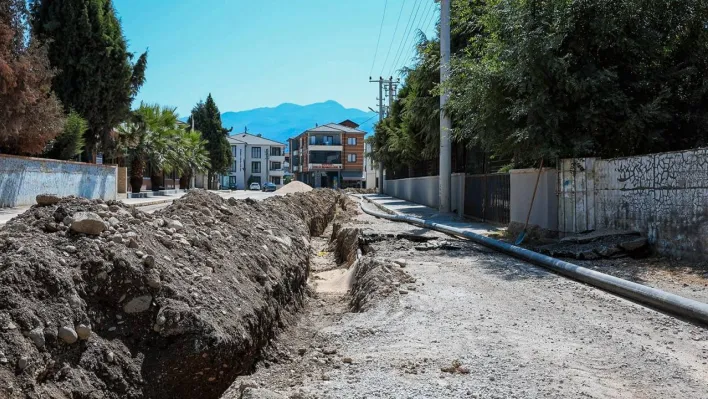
x=174 y=304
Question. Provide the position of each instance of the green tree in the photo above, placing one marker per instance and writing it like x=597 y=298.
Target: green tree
x=191 y=155
x=96 y=77
x=30 y=114
x=207 y=120
x=149 y=138
x=70 y=142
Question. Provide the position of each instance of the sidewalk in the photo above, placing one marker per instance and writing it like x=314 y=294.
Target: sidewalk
x=407 y=208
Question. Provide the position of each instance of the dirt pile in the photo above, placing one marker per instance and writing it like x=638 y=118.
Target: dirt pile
x=294 y=187
x=173 y=304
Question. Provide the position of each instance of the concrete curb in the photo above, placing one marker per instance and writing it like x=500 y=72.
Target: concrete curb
x=381 y=206
x=149 y=203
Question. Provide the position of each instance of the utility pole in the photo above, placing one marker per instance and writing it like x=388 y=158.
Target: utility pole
x=445 y=145
x=389 y=85
x=381 y=116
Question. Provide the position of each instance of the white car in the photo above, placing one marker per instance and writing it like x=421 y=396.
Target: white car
x=255 y=186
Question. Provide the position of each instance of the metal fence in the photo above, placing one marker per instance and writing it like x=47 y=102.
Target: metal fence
x=487 y=197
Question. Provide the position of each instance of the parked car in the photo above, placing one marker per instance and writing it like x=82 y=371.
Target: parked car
x=269 y=187
x=255 y=186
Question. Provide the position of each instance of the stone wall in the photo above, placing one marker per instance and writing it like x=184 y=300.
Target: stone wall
x=22 y=179
x=663 y=196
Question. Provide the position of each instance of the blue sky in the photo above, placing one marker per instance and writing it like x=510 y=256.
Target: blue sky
x=261 y=53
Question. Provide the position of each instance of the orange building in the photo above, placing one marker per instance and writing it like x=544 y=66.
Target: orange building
x=330 y=155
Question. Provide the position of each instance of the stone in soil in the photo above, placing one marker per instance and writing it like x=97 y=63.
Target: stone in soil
x=47 y=199
x=68 y=335
x=87 y=223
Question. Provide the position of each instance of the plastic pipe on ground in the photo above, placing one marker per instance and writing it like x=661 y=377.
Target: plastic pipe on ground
x=668 y=302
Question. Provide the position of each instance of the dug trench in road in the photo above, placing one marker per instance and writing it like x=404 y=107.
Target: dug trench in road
x=477 y=323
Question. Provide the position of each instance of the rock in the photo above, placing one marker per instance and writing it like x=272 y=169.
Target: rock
x=70 y=249
x=608 y=251
x=110 y=357
x=118 y=239
x=153 y=280
x=402 y=291
x=23 y=362
x=587 y=255
x=634 y=245
x=149 y=261
x=259 y=393
x=175 y=224
x=75 y=302
x=401 y=262
x=347 y=360
x=329 y=351
x=47 y=199
x=67 y=220
x=138 y=304
x=51 y=227
x=37 y=336
x=87 y=223
x=132 y=243
x=113 y=222
x=301 y=351
x=68 y=335
x=83 y=331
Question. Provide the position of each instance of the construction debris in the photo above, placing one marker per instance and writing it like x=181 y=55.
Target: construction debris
x=598 y=244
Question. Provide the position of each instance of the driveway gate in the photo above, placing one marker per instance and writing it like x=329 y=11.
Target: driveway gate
x=487 y=197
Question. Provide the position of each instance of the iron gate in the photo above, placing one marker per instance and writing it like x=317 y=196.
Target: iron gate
x=487 y=197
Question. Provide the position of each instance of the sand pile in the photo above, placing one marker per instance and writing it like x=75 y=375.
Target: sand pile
x=294 y=187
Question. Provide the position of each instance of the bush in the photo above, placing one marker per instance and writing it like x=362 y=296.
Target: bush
x=70 y=142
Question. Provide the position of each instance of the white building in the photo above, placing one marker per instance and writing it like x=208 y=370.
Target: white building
x=256 y=159
x=370 y=173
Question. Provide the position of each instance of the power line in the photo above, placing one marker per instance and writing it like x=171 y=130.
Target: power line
x=379 y=39
x=394 y=36
x=406 y=34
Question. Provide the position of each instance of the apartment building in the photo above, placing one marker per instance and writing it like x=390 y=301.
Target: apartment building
x=256 y=159
x=330 y=155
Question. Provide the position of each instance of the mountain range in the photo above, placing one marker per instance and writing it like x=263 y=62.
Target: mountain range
x=288 y=120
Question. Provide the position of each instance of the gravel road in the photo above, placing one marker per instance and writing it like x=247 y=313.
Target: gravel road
x=507 y=328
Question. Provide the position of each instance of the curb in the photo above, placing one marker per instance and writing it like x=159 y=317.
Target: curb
x=149 y=203
x=381 y=206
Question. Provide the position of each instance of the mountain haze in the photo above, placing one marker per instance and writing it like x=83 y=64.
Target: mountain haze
x=288 y=120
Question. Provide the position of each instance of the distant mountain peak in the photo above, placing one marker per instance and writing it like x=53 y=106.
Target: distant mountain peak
x=288 y=120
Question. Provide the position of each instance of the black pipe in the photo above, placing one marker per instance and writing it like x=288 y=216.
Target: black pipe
x=663 y=300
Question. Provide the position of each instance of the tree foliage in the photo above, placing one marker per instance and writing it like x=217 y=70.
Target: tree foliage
x=70 y=142
x=30 y=114
x=535 y=79
x=207 y=119
x=153 y=136
x=96 y=77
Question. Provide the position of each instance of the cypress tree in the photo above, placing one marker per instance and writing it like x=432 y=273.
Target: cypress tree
x=96 y=76
x=207 y=119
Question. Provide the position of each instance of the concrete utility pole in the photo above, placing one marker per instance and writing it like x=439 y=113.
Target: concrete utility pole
x=381 y=116
x=445 y=145
x=389 y=85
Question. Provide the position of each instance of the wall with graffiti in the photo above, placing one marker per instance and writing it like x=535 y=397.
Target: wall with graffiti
x=663 y=196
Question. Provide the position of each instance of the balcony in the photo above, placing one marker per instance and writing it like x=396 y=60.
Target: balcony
x=276 y=158
x=326 y=147
x=276 y=172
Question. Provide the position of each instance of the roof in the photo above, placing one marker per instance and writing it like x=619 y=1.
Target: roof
x=332 y=128
x=234 y=141
x=251 y=139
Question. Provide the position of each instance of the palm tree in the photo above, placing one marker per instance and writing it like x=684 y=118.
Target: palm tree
x=149 y=137
x=191 y=155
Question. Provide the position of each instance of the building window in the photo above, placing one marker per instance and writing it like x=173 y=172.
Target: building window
x=351 y=157
x=351 y=140
x=275 y=180
x=275 y=166
x=256 y=152
x=255 y=167
x=313 y=140
x=276 y=151
x=234 y=166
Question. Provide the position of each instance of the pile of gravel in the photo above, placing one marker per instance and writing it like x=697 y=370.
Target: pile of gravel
x=98 y=300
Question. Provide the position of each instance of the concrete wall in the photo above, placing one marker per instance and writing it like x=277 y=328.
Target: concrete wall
x=22 y=179
x=663 y=196
x=425 y=191
x=544 y=214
